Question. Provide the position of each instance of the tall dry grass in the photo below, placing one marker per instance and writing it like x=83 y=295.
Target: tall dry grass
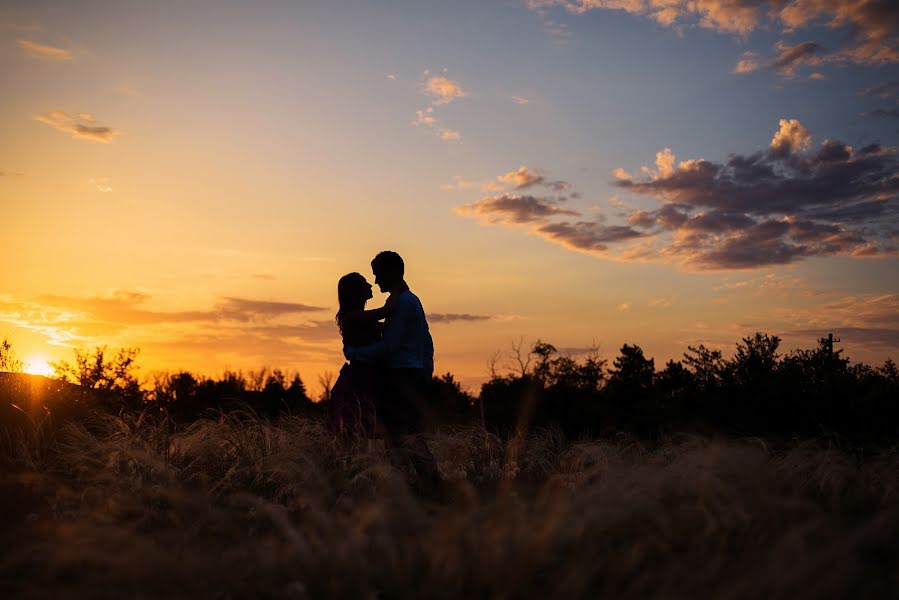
x=239 y=507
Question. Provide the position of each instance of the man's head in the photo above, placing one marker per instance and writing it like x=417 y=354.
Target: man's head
x=388 y=268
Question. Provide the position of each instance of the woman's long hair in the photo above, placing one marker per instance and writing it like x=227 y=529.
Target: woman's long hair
x=350 y=296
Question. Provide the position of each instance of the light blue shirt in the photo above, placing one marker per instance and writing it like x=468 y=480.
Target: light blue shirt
x=407 y=342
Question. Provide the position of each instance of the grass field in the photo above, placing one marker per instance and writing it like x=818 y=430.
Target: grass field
x=240 y=507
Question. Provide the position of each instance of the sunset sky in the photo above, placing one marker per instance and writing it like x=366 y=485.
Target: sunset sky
x=192 y=178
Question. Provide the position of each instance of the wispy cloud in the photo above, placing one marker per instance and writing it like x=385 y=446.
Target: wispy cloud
x=881 y=113
x=456 y=317
x=787 y=61
x=89 y=320
x=512 y=209
x=44 y=51
x=82 y=126
x=884 y=89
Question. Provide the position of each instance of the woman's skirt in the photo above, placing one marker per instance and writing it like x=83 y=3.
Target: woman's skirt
x=353 y=399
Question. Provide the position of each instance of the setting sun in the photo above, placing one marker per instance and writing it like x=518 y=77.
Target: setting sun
x=37 y=365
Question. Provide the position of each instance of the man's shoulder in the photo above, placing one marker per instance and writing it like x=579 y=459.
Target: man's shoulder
x=407 y=297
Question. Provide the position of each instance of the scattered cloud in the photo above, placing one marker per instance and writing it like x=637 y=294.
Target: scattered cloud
x=872 y=25
x=82 y=126
x=520 y=101
x=520 y=179
x=443 y=90
x=391 y=77
x=536 y=213
x=774 y=207
x=45 y=51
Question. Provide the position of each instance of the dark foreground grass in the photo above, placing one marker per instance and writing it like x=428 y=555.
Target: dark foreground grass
x=238 y=507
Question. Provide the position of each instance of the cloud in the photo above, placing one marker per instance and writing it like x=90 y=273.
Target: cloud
x=884 y=89
x=792 y=57
x=126 y=308
x=589 y=236
x=871 y=24
x=519 y=179
x=537 y=214
x=748 y=63
x=455 y=317
x=522 y=178
x=520 y=101
x=881 y=113
x=443 y=90
x=102 y=184
x=774 y=207
x=790 y=138
x=862 y=320
x=787 y=62
x=512 y=209
x=240 y=325
x=243 y=309
x=449 y=135
x=81 y=126
x=44 y=51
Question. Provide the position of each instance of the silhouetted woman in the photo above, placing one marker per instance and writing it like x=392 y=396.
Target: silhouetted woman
x=358 y=387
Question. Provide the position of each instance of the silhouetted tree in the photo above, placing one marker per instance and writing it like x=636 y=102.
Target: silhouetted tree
x=8 y=361
x=113 y=377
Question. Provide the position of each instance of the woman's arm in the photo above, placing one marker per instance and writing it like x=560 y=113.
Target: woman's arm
x=377 y=314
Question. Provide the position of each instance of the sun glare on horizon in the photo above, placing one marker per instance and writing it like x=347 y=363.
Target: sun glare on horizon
x=37 y=365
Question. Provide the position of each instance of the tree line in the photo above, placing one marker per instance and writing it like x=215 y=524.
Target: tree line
x=758 y=391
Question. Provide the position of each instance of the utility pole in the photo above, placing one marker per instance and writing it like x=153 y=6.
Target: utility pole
x=830 y=341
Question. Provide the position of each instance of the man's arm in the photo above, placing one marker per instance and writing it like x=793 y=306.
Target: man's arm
x=388 y=345
x=428 y=359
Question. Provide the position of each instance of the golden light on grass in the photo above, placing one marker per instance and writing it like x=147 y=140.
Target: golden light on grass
x=37 y=365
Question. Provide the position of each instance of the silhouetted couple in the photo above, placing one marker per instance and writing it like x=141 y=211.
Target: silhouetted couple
x=381 y=391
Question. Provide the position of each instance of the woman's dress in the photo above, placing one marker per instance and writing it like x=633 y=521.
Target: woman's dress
x=359 y=386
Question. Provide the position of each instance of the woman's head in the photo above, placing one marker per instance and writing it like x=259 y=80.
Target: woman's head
x=353 y=291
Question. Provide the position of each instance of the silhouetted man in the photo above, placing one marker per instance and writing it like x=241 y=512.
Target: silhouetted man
x=408 y=351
